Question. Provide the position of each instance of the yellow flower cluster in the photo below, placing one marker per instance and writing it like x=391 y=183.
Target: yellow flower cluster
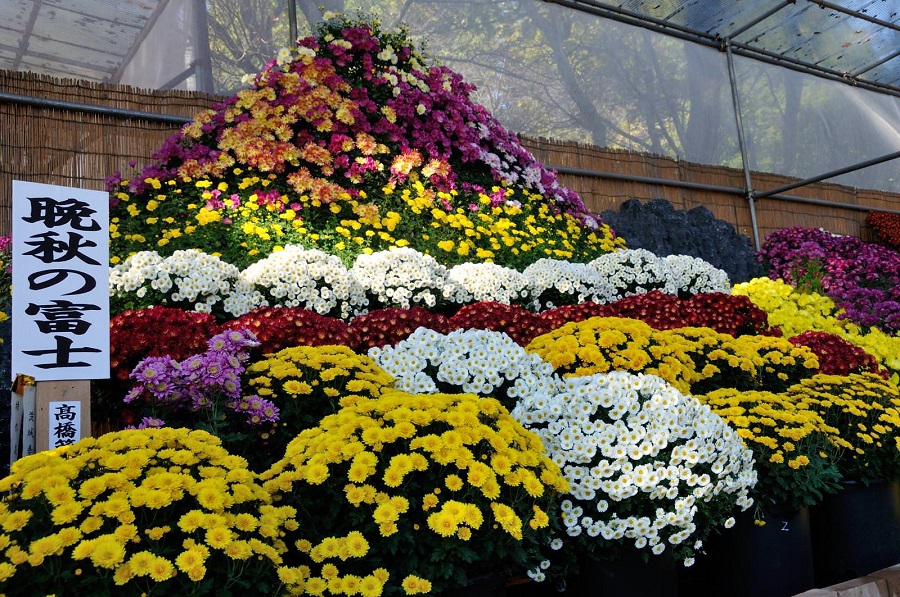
x=797 y=312
x=792 y=443
x=162 y=508
x=444 y=472
x=866 y=410
x=300 y=580
x=520 y=227
x=307 y=383
x=691 y=359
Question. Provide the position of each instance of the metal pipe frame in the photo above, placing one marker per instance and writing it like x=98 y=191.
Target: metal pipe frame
x=180 y=120
x=739 y=49
x=699 y=186
x=745 y=162
x=40 y=102
x=832 y=174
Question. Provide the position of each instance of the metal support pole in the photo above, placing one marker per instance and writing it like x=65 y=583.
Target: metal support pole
x=748 y=183
x=832 y=174
x=292 y=22
x=202 y=59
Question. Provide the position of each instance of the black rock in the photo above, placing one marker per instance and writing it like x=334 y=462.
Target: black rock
x=659 y=228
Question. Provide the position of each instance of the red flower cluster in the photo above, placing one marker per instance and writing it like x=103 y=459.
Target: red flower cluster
x=389 y=326
x=887 y=226
x=156 y=331
x=557 y=317
x=519 y=324
x=277 y=328
x=837 y=356
x=658 y=310
x=725 y=313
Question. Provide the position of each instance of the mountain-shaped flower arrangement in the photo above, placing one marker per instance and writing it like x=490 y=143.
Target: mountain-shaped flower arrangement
x=351 y=142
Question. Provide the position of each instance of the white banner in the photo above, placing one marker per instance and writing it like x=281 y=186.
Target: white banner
x=60 y=269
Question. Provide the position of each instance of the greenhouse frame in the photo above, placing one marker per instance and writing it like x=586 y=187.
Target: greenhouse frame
x=808 y=89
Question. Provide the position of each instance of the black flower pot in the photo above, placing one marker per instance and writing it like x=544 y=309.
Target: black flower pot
x=774 y=560
x=626 y=576
x=855 y=531
x=489 y=585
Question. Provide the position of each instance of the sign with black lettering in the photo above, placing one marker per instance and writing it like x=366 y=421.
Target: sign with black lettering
x=60 y=269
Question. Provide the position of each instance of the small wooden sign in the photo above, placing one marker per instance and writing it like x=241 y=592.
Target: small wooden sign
x=63 y=412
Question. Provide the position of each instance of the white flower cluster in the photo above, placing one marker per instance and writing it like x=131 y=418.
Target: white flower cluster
x=632 y=271
x=310 y=279
x=619 y=435
x=491 y=282
x=692 y=275
x=404 y=277
x=480 y=362
x=189 y=276
x=559 y=282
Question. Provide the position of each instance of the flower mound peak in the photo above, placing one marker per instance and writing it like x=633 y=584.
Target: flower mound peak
x=350 y=142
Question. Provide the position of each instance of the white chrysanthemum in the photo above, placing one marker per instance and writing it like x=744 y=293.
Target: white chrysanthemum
x=491 y=282
x=481 y=362
x=692 y=275
x=646 y=439
x=632 y=271
x=404 y=277
x=189 y=276
x=558 y=282
x=311 y=279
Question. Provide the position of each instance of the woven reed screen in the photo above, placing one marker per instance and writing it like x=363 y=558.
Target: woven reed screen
x=81 y=149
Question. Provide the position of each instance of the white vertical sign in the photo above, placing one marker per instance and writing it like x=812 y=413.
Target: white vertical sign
x=64 y=423
x=60 y=268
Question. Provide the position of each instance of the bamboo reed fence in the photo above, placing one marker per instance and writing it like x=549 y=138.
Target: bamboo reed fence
x=76 y=148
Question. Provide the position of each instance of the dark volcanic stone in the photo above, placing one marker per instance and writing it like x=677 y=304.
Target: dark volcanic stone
x=662 y=230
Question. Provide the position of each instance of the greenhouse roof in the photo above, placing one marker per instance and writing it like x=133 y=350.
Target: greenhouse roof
x=857 y=41
x=84 y=39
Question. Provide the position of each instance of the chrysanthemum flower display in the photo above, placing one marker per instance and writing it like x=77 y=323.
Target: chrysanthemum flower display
x=188 y=279
x=796 y=312
x=692 y=275
x=307 y=383
x=386 y=327
x=794 y=448
x=519 y=324
x=444 y=488
x=156 y=331
x=862 y=278
x=204 y=391
x=479 y=362
x=838 y=356
x=726 y=313
x=633 y=271
x=150 y=511
x=277 y=328
x=887 y=226
x=865 y=409
x=314 y=280
x=648 y=467
x=748 y=362
x=691 y=359
x=350 y=141
x=489 y=282
x=405 y=277
x=557 y=282
x=658 y=310
x=729 y=314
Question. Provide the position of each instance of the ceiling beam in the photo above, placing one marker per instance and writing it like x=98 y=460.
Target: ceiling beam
x=26 y=34
x=129 y=56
